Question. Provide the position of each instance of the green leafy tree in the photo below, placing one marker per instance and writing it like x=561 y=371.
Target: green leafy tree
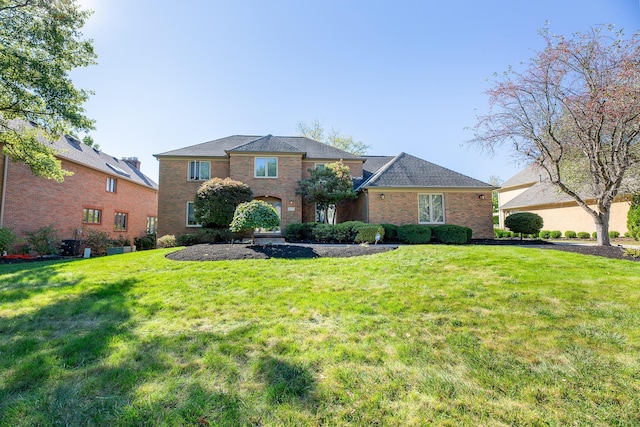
x=573 y=112
x=327 y=186
x=252 y=215
x=524 y=223
x=633 y=217
x=334 y=138
x=41 y=44
x=217 y=199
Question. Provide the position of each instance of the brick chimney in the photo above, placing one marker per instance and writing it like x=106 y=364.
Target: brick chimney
x=132 y=161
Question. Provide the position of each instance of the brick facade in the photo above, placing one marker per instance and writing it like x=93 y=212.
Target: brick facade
x=32 y=202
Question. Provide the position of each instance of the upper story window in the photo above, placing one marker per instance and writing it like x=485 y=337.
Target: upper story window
x=199 y=170
x=111 y=185
x=431 y=208
x=266 y=167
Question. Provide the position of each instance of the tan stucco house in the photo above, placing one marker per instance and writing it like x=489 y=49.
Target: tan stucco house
x=400 y=189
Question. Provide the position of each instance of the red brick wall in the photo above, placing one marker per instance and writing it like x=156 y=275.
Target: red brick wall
x=32 y=202
x=464 y=209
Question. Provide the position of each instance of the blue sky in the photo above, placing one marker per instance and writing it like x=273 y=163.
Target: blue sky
x=397 y=75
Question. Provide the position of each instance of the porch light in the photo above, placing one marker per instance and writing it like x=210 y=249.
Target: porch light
x=381 y=196
x=481 y=197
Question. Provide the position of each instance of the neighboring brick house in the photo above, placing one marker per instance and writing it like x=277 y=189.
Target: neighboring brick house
x=104 y=193
x=398 y=190
x=530 y=191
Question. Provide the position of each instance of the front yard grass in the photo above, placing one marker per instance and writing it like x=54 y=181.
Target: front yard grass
x=424 y=335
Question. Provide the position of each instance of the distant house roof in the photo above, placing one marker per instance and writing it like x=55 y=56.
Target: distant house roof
x=243 y=143
x=405 y=170
x=70 y=148
x=540 y=193
x=528 y=175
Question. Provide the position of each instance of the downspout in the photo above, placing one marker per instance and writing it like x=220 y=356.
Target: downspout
x=366 y=206
x=4 y=189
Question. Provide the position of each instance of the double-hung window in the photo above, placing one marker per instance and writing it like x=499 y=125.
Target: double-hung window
x=266 y=167
x=152 y=224
x=111 y=185
x=199 y=170
x=431 y=208
x=120 y=221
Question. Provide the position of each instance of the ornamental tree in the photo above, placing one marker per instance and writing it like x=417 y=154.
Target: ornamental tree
x=524 y=223
x=327 y=186
x=575 y=113
x=216 y=201
x=41 y=44
x=254 y=214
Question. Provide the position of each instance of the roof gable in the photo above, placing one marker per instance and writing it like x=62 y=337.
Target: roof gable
x=266 y=144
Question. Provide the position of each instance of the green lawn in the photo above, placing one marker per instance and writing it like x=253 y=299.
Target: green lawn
x=424 y=335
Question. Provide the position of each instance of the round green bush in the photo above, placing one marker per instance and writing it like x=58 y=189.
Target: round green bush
x=594 y=235
x=544 y=234
x=452 y=234
x=555 y=234
x=570 y=234
x=390 y=232
x=366 y=233
x=583 y=235
x=414 y=234
x=614 y=234
x=524 y=222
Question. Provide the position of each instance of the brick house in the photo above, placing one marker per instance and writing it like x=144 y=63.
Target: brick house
x=530 y=191
x=399 y=190
x=104 y=193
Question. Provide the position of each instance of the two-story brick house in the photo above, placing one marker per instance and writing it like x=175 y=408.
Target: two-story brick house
x=104 y=194
x=399 y=190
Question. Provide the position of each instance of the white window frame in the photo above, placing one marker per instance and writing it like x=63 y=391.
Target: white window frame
x=194 y=170
x=431 y=211
x=111 y=184
x=266 y=167
x=194 y=224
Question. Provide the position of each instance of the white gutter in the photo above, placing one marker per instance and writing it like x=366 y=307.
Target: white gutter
x=4 y=189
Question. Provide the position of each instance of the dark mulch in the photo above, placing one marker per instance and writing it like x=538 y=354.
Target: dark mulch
x=219 y=252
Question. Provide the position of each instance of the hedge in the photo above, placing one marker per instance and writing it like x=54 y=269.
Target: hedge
x=452 y=234
x=414 y=234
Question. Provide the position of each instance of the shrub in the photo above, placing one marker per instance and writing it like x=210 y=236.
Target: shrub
x=187 y=240
x=98 y=241
x=216 y=201
x=300 y=231
x=44 y=240
x=366 y=233
x=146 y=242
x=323 y=233
x=120 y=241
x=452 y=234
x=254 y=214
x=594 y=235
x=570 y=234
x=524 y=223
x=390 y=232
x=632 y=252
x=614 y=234
x=414 y=233
x=633 y=217
x=627 y=234
x=212 y=235
x=7 y=239
x=555 y=234
x=583 y=235
x=167 y=241
x=544 y=234
x=347 y=231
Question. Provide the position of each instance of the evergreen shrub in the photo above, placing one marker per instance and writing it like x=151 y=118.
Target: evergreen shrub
x=414 y=233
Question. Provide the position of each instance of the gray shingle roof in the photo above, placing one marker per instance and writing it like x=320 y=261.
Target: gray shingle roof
x=528 y=175
x=540 y=193
x=268 y=144
x=220 y=147
x=405 y=170
x=71 y=149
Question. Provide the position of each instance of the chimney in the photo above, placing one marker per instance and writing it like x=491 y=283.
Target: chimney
x=132 y=161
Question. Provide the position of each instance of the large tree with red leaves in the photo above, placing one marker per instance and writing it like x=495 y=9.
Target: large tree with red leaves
x=575 y=113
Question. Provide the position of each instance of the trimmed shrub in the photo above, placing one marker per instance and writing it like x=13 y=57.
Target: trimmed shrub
x=544 y=234
x=366 y=233
x=627 y=234
x=555 y=234
x=7 y=239
x=146 y=242
x=300 y=231
x=594 y=235
x=347 y=231
x=323 y=233
x=390 y=232
x=44 y=240
x=254 y=214
x=167 y=241
x=570 y=234
x=452 y=234
x=524 y=223
x=187 y=240
x=414 y=234
x=216 y=201
x=614 y=234
x=213 y=235
x=583 y=235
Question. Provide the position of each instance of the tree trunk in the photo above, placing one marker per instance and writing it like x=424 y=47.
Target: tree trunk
x=602 y=228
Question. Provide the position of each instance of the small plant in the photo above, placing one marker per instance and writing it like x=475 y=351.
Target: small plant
x=524 y=223
x=583 y=235
x=628 y=234
x=544 y=234
x=555 y=234
x=570 y=234
x=98 y=241
x=120 y=241
x=614 y=234
x=146 y=242
x=44 y=240
x=632 y=252
x=594 y=235
x=187 y=240
x=167 y=241
x=7 y=239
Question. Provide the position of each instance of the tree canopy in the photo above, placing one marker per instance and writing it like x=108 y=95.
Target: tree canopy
x=327 y=186
x=217 y=199
x=254 y=214
x=575 y=113
x=334 y=138
x=41 y=44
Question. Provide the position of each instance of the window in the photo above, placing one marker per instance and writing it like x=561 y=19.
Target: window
x=152 y=224
x=111 y=185
x=91 y=216
x=266 y=167
x=319 y=166
x=431 y=208
x=120 y=222
x=191 y=216
x=331 y=214
x=199 y=170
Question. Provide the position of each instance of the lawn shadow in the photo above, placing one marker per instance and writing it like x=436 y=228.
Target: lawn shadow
x=21 y=281
x=286 y=382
